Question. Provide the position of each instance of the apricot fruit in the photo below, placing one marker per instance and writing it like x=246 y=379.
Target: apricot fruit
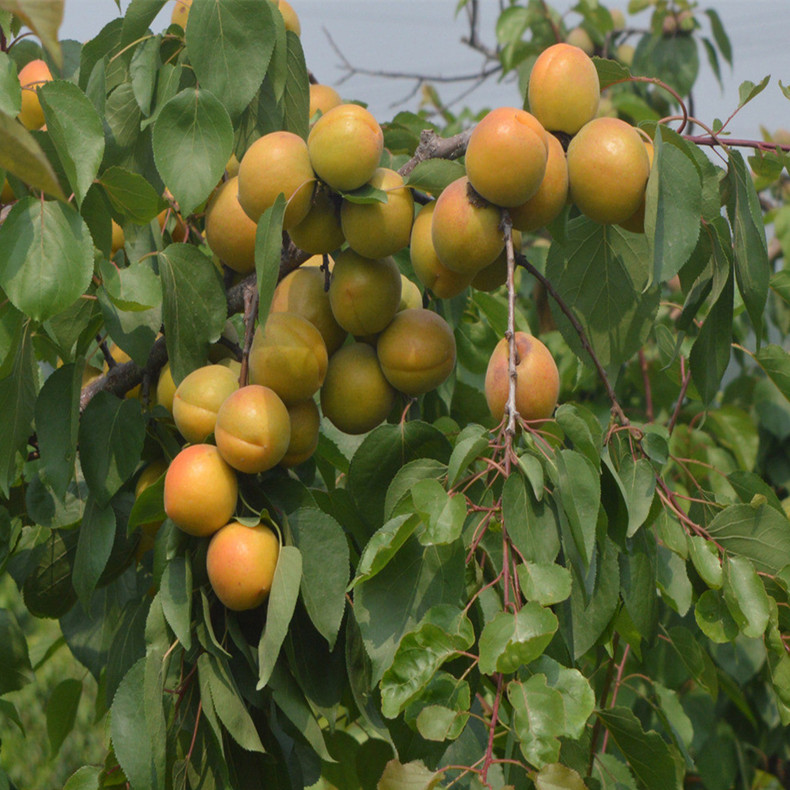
x=537 y=379
x=345 y=146
x=121 y=357
x=147 y=478
x=364 y=293
x=321 y=230
x=118 y=238
x=302 y=292
x=31 y=77
x=416 y=351
x=230 y=233
x=200 y=490
x=376 y=230
x=356 y=397
x=288 y=355
x=579 y=37
x=197 y=400
x=323 y=98
x=608 y=168
x=277 y=163
x=636 y=222
x=564 y=88
x=172 y=220
x=444 y=283
x=465 y=229
x=240 y=563
x=181 y=13
x=253 y=429
x=551 y=197
x=506 y=156
x=165 y=388
x=495 y=274
x=7 y=194
x=305 y=424
x=410 y=295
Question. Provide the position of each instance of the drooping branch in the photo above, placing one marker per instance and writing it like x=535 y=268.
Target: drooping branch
x=434 y=146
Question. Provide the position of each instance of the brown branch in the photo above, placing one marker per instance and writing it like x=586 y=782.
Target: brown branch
x=433 y=146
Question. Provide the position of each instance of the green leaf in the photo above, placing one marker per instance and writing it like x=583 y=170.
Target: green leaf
x=638 y=587
x=192 y=127
x=752 y=266
x=714 y=618
x=433 y=175
x=296 y=97
x=719 y=34
x=602 y=273
x=442 y=514
x=96 y=537
x=557 y=776
x=747 y=90
x=57 y=423
x=383 y=545
x=279 y=610
x=46 y=257
x=228 y=702
x=15 y=669
x=194 y=307
x=325 y=568
x=775 y=361
x=695 y=658
x=545 y=583
x=579 y=490
x=440 y=635
x=759 y=533
x=268 y=243
x=44 y=18
x=131 y=195
x=175 y=591
x=706 y=560
x=85 y=778
x=653 y=761
x=469 y=444
x=48 y=591
x=399 y=490
x=509 y=640
x=230 y=44
x=130 y=737
x=133 y=289
x=530 y=524
x=610 y=71
x=745 y=596
x=17 y=402
x=22 y=156
x=10 y=89
x=76 y=131
x=111 y=436
x=425 y=576
x=710 y=354
x=581 y=427
x=673 y=205
x=736 y=430
x=62 y=712
x=578 y=697
x=638 y=486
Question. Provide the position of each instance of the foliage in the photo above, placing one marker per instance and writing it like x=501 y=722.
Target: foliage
x=594 y=601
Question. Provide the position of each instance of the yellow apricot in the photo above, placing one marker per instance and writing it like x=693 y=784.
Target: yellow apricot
x=608 y=168
x=345 y=147
x=197 y=400
x=376 y=230
x=253 y=429
x=200 y=490
x=169 y=217
x=323 y=98
x=118 y=238
x=410 y=295
x=320 y=231
x=302 y=292
x=31 y=77
x=181 y=13
x=165 y=388
x=444 y=283
x=495 y=274
x=564 y=88
x=121 y=357
x=305 y=424
x=288 y=355
x=240 y=563
x=537 y=379
x=277 y=163
x=416 y=351
x=465 y=229
x=579 y=37
x=551 y=197
x=230 y=233
x=289 y=16
x=364 y=293
x=356 y=396
x=506 y=156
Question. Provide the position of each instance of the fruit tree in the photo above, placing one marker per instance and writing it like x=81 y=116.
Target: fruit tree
x=441 y=450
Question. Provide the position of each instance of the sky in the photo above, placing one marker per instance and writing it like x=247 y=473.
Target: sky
x=423 y=36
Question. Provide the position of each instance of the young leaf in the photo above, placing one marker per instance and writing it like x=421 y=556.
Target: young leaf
x=408 y=776
x=76 y=131
x=62 y=712
x=545 y=583
x=46 y=257
x=747 y=90
x=279 y=610
x=509 y=640
x=193 y=140
x=85 y=778
x=557 y=776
